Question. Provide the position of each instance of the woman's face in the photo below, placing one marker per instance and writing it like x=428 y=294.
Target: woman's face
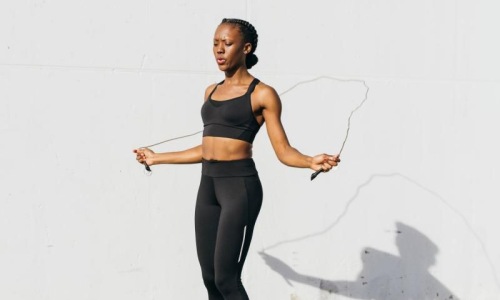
x=229 y=49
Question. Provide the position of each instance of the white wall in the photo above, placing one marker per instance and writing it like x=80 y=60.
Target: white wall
x=411 y=212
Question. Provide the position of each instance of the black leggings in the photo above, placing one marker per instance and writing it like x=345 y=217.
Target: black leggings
x=228 y=203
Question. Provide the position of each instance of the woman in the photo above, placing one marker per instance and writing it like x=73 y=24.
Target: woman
x=230 y=193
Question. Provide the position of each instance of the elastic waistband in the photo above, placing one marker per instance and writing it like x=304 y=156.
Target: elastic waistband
x=228 y=168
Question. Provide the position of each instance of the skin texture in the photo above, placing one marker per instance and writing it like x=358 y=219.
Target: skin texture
x=230 y=52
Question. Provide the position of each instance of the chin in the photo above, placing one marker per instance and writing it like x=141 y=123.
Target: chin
x=224 y=68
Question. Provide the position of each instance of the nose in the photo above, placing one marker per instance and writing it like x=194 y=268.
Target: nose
x=220 y=48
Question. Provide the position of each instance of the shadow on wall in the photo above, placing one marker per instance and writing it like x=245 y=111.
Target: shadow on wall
x=384 y=276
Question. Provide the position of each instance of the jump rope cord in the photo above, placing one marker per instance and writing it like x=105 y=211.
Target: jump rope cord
x=313 y=175
x=148 y=169
x=173 y=139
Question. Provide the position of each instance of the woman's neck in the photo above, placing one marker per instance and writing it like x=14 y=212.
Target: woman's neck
x=240 y=76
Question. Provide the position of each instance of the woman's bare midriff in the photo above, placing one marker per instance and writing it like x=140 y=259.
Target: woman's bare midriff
x=218 y=148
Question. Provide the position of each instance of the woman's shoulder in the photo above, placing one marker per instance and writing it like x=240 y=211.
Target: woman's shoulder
x=263 y=89
x=209 y=89
x=265 y=92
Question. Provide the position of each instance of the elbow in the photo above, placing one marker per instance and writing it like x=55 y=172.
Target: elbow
x=283 y=157
x=282 y=160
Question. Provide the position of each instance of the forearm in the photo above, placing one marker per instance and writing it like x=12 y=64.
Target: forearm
x=293 y=158
x=189 y=156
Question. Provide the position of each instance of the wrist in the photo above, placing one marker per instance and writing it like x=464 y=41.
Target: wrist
x=154 y=159
x=310 y=163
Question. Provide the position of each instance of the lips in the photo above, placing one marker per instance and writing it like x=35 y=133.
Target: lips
x=221 y=60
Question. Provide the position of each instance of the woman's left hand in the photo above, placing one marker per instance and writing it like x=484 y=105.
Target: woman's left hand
x=324 y=162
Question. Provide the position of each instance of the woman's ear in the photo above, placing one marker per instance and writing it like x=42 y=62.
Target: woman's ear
x=247 y=48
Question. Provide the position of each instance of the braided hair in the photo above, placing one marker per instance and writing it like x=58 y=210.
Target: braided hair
x=249 y=36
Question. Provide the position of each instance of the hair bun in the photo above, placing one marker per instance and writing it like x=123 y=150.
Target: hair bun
x=251 y=60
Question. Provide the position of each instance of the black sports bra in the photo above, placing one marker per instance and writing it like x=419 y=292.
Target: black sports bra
x=231 y=118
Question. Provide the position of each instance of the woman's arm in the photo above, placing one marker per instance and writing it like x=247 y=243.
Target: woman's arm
x=271 y=110
x=189 y=156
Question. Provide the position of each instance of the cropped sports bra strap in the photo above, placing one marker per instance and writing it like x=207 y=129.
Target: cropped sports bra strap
x=252 y=85
x=215 y=87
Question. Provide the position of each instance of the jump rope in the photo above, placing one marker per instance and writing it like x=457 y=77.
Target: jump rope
x=315 y=174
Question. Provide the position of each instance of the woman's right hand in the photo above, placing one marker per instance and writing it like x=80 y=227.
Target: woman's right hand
x=144 y=156
x=325 y=162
